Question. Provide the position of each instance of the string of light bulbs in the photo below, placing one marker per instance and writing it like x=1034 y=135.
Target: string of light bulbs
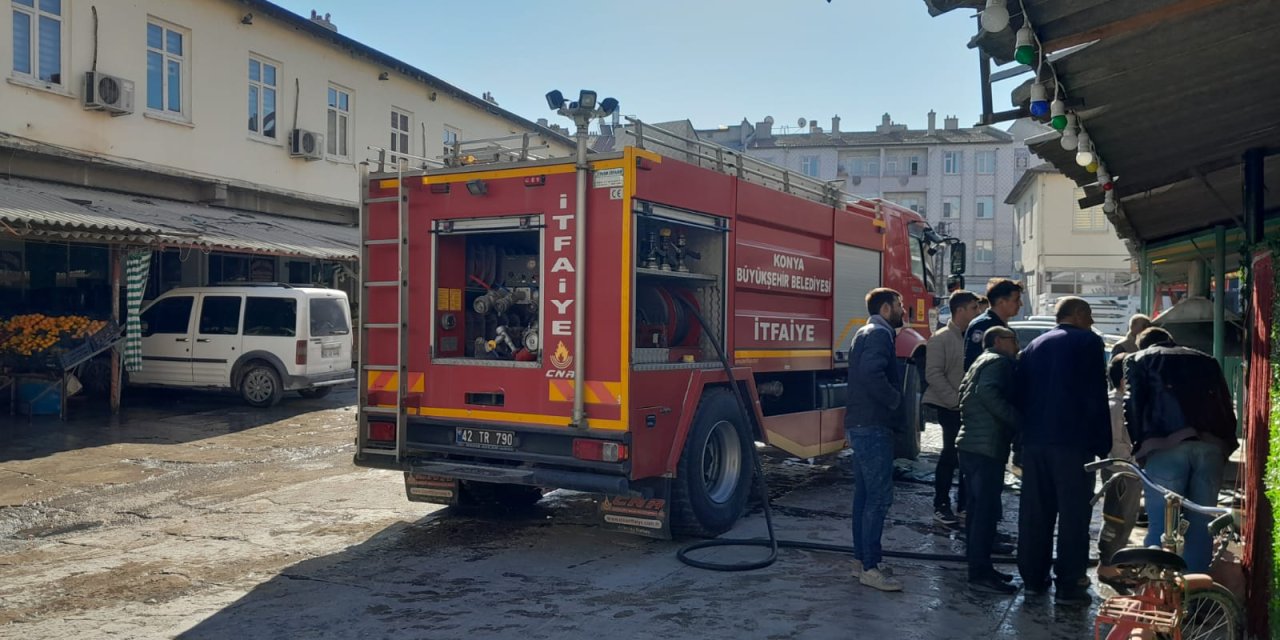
x=1027 y=49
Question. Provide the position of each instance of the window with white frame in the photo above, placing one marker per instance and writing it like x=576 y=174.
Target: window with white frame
x=951 y=207
x=915 y=165
x=952 y=162
x=891 y=166
x=811 y=165
x=401 y=123
x=263 y=76
x=984 y=207
x=339 y=109
x=37 y=39
x=167 y=57
x=984 y=251
x=986 y=161
x=448 y=138
x=873 y=169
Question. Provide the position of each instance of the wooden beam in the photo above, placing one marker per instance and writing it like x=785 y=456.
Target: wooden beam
x=1136 y=22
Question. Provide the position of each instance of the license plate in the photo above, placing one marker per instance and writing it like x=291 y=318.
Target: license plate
x=330 y=350
x=485 y=438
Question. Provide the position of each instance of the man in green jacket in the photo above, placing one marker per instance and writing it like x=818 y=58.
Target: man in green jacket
x=986 y=436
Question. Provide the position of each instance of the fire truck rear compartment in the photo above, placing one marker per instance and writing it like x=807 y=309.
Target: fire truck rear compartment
x=487 y=302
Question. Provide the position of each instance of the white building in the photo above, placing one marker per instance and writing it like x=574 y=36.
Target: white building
x=169 y=124
x=955 y=176
x=1067 y=250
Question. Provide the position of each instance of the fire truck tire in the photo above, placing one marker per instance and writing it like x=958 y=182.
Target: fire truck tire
x=714 y=476
x=906 y=441
x=260 y=385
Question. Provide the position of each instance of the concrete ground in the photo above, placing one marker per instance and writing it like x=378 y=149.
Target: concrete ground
x=198 y=517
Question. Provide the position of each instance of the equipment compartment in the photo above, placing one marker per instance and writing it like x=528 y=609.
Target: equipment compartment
x=680 y=267
x=487 y=295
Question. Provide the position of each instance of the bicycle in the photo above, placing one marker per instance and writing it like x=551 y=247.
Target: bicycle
x=1167 y=602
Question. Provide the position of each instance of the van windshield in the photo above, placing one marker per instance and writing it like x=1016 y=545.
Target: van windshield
x=328 y=318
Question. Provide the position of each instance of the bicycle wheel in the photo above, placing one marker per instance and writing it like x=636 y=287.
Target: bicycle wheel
x=1211 y=614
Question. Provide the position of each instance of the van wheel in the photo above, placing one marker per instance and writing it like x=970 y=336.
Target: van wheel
x=260 y=386
x=906 y=437
x=715 y=473
x=315 y=393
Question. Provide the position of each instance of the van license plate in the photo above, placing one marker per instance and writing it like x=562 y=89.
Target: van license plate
x=330 y=350
x=485 y=438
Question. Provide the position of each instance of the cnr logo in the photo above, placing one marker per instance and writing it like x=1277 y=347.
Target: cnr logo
x=629 y=502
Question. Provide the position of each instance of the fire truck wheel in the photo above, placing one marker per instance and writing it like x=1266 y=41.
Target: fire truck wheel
x=260 y=385
x=907 y=436
x=715 y=473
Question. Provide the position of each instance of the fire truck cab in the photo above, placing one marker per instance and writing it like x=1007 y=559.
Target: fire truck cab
x=510 y=345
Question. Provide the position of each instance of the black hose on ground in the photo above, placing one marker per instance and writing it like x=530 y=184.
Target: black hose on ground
x=772 y=543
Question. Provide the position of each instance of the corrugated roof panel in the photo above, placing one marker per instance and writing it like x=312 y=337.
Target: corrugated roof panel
x=69 y=212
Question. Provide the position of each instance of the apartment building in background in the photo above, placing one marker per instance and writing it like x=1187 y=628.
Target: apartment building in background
x=955 y=176
x=224 y=135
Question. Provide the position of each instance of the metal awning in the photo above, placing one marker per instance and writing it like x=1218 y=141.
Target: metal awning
x=49 y=211
x=1172 y=92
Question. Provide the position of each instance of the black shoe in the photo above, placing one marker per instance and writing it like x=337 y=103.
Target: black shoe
x=1003 y=549
x=1036 y=589
x=943 y=515
x=1073 y=596
x=992 y=584
x=1142 y=521
x=1004 y=577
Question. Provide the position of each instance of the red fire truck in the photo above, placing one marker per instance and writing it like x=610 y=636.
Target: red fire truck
x=503 y=355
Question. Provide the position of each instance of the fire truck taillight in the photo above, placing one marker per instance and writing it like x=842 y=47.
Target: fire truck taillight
x=300 y=353
x=599 y=450
x=382 y=431
x=535 y=181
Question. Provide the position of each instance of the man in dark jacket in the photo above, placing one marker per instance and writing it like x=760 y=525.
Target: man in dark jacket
x=1006 y=301
x=990 y=422
x=1183 y=426
x=1066 y=424
x=874 y=397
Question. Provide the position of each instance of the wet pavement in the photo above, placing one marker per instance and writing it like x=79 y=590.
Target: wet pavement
x=203 y=518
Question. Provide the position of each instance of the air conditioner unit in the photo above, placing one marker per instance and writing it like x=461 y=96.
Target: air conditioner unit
x=103 y=92
x=306 y=144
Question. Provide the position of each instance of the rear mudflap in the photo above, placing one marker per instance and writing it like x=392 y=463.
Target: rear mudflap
x=648 y=514
x=421 y=487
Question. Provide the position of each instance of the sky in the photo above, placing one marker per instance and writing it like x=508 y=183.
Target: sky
x=713 y=62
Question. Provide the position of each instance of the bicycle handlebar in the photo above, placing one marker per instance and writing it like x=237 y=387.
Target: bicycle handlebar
x=1126 y=468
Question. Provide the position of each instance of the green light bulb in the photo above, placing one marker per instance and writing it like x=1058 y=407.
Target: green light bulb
x=1025 y=54
x=1059 y=122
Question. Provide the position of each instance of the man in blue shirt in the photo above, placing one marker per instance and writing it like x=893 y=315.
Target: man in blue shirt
x=1066 y=424
x=1005 y=297
x=874 y=397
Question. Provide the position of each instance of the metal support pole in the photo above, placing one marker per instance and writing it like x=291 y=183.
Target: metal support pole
x=1219 y=294
x=1147 y=273
x=580 y=279
x=117 y=366
x=984 y=75
x=1254 y=198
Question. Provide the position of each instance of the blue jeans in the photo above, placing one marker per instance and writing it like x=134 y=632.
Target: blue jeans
x=872 y=489
x=1194 y=470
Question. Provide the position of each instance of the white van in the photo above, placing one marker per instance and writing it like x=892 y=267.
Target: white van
x=258 y=340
